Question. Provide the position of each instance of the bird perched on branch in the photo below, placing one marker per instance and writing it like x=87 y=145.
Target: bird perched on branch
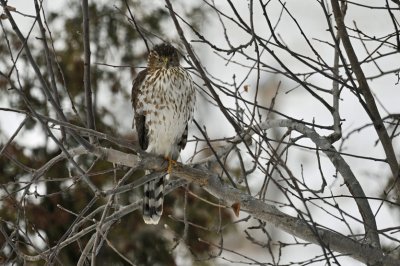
x=163 y=98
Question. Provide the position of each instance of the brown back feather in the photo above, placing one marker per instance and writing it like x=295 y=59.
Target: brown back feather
x=139 y=118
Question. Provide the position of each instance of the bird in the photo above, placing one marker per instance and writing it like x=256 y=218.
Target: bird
x=163 y=99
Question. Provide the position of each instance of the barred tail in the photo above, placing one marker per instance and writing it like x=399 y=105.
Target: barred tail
x=153 y=200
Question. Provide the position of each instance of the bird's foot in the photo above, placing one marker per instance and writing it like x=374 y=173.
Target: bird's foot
x=171 y=164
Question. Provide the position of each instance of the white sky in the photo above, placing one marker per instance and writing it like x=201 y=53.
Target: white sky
x=298 y=103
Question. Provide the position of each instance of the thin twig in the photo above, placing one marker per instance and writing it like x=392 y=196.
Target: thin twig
x=372 y=110
x=90 y=119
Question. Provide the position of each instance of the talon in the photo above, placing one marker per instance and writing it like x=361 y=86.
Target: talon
x=171 y=164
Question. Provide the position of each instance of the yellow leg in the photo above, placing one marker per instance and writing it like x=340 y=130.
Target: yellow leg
x=171 y=164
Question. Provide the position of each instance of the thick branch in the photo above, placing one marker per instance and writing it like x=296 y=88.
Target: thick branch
x=259 y=209
x=324 y=144
x=344 y=169
x=299 y=228
x=366 y=91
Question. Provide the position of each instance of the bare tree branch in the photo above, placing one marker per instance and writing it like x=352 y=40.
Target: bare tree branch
x=200 y=69
x=294 y=165
x=261 y=210
x=366 y=92
x=90 y=120
x=269 y=213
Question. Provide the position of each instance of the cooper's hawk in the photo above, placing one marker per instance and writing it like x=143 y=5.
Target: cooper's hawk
x=163 y=97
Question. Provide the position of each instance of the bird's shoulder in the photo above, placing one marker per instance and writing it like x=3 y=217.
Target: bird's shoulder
x=137 y=83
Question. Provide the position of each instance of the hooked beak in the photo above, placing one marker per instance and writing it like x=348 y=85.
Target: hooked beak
x=166 y=62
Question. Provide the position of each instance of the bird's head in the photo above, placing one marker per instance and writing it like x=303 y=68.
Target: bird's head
x=163 y=56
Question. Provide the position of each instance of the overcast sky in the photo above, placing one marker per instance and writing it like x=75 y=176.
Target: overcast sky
x=297 y=103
